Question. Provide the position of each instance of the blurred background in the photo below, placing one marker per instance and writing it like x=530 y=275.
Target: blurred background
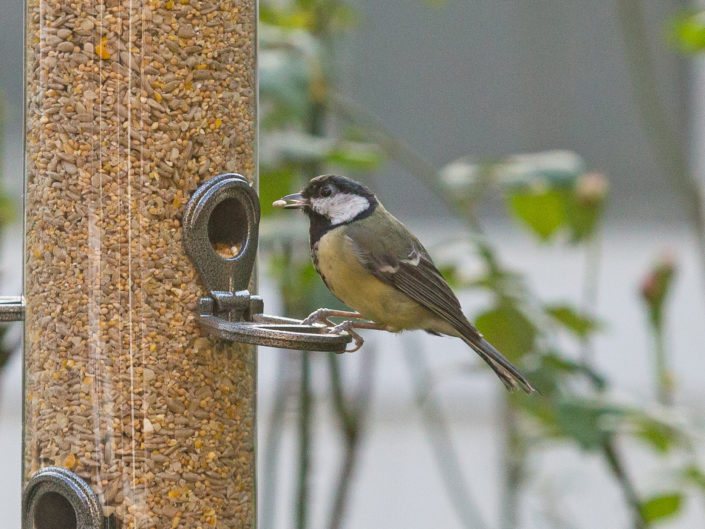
x=550 y=156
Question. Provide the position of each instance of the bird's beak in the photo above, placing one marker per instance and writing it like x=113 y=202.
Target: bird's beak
x=295 y=201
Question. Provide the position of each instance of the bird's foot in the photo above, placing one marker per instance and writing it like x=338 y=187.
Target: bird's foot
x=347 y=326
x=322 y=315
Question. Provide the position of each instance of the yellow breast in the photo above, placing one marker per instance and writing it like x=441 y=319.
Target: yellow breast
x=360 y=290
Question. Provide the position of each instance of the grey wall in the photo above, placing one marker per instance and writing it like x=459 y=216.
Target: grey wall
x=495 y=77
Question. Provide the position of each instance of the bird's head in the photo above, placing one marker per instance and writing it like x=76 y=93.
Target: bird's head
x=335 y=198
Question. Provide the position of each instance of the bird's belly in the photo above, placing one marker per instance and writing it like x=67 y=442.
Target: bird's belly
x=361 y=291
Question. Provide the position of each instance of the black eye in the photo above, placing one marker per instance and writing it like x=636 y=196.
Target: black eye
x=326 y=191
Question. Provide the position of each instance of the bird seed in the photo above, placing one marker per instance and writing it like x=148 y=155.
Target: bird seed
x=130 y=105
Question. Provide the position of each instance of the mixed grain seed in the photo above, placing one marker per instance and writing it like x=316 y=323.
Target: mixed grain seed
x=129 y=106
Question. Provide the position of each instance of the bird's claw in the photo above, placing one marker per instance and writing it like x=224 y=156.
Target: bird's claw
x=318 y=316
x=347 y=326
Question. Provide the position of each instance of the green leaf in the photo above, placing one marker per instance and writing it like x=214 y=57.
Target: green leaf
x=508 y=329
x=688 y=31
x=285 y=18
x=548 y=191
x=658 y=435
x=582 y=219
x=7 y=210
x=662 y=506
x=588 y=422
x=694 y=475
x=542 y=210
x=577 y=323
x=274 y=184
x=552 y=370
x=585 y=205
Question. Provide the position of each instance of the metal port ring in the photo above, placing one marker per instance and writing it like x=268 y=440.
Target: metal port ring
x=233 y=191
x=273 y=331
x=56 y=496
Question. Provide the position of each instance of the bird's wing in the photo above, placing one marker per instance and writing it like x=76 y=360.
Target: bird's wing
x=393 y=255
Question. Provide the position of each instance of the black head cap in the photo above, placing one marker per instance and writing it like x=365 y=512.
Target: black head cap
x=328 y=184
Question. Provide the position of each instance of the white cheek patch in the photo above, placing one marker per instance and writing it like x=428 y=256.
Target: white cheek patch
x=340 y=208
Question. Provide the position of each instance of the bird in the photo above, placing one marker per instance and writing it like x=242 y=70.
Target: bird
x=372 y=263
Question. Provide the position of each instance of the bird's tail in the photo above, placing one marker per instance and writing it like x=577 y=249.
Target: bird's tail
x=507 y=373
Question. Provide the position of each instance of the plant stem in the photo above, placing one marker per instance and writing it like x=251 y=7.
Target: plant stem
x=614 y=462
x=655 y=116
x=513 y=464
x=272 y=445
x=609 y=448
x=664 y=387
x=591 y=284
x=439 y=436
x=304 y=441
x=352 y=423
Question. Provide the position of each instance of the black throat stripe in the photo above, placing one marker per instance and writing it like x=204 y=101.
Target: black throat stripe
x=320 y=225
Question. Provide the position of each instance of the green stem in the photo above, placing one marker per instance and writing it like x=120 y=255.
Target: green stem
x=614 y=463
x=513 y=463
x=664 y=388
x=272 y=445
x=352 y=424
x=591 y=283
x=304 y=441
x=347 y=418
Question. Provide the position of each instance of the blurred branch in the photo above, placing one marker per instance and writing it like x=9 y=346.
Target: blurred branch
x=591 y=284
x=664 y=380
x=272 y=444
x=665 y=142
x=514 y=455
x=614 y=462
x=352 y=422
x=304 y=441
x=439 y=436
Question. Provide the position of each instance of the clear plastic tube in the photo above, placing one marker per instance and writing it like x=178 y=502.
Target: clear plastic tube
x=130 y=104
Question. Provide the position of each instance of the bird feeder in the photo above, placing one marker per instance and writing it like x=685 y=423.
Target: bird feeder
x=133 y=417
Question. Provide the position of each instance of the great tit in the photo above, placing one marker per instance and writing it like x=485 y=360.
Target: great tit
x=376 y=266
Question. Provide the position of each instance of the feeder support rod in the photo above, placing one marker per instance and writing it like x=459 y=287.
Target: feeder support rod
x=11 y=308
